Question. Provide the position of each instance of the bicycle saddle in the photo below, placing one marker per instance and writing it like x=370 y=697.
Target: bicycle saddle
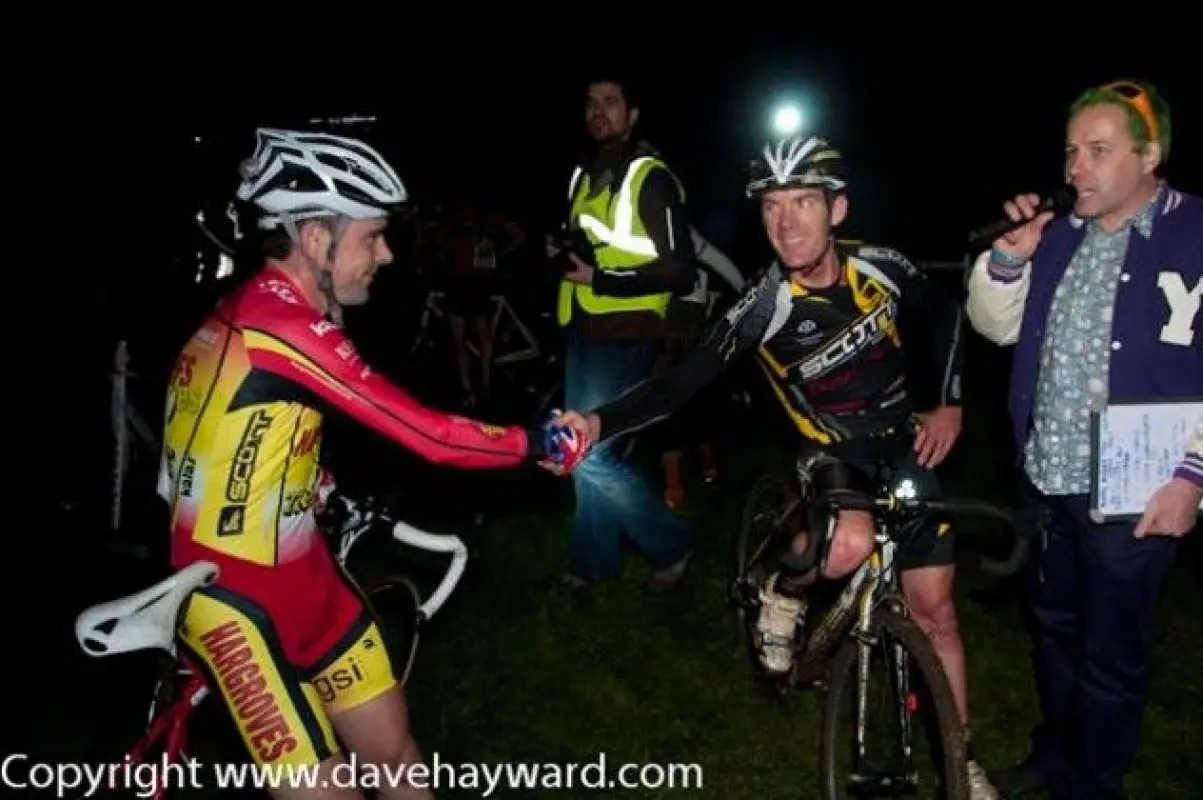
x=142 y=620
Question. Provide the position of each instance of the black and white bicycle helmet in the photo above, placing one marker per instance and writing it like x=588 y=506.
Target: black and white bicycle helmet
x=294 y=176
x=797 y=162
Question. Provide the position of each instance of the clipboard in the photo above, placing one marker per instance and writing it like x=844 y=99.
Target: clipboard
x=1135 y=447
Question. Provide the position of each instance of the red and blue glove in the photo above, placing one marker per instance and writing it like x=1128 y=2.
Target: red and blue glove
x=565 y=447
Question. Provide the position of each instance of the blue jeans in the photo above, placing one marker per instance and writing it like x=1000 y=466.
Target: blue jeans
x=1094 y=594
x=610 y=495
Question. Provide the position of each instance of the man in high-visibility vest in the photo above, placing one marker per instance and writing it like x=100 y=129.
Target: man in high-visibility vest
x=626 y=252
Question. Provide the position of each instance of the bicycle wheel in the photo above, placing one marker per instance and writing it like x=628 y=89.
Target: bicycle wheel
x=897 y=649
x=770 y=517
x=395 y=601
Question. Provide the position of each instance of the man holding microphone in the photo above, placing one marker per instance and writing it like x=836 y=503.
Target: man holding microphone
x=1102 y=307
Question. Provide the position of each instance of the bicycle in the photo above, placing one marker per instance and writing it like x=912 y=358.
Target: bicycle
x=148 y=620
x=868 y=612
x=521 y=355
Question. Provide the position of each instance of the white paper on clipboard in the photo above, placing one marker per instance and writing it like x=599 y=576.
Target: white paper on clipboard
x=1136 y=447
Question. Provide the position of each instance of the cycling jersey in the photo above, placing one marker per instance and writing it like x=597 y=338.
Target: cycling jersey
x=244 y=420
x=833 y=356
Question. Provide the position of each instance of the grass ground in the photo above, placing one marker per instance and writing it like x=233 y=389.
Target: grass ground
x=522 y=673
x=513 y=670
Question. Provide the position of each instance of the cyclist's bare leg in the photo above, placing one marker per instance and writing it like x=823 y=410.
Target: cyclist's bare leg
x=378 y=733
x=851 y=543
x=463 y=358
x=325 y=776
x=484 y=337
x=784 y=595
x=928 y=592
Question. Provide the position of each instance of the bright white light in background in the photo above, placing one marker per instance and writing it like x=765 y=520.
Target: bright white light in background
x=787 y=120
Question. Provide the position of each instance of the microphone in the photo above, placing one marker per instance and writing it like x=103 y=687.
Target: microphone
x=1057 y=202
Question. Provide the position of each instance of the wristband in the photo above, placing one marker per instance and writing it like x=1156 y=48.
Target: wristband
x=1006 y=260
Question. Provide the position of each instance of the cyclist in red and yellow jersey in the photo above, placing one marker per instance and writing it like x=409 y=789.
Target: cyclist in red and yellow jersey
x=286 y=639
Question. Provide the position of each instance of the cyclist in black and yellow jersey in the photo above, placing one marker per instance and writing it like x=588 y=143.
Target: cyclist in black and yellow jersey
x=824 y=323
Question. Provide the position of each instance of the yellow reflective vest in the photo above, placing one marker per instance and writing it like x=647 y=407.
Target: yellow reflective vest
x=612 y=224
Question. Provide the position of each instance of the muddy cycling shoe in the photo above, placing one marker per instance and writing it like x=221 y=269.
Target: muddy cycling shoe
x=779 y=624
x=980 y=787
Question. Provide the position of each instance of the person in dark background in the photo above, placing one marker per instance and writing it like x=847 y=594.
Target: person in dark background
x=1101 y=307
x=630 y=251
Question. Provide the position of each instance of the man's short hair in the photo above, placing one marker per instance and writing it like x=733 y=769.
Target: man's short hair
x=630 y=92
x=277 y=244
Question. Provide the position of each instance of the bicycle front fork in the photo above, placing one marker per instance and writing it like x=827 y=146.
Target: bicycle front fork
x=906 y=780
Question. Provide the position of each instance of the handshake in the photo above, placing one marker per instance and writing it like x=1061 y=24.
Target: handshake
x=567 y=438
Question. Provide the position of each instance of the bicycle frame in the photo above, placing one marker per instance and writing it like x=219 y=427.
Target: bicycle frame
x=874 y=579
x=146 y=621
x=502 y=311
x=171 y=724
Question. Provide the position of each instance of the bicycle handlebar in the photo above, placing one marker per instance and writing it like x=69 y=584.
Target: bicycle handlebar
x=361 y=516
x=848 y=500
x=435 y=543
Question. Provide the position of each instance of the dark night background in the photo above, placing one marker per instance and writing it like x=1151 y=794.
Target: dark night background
x=939 y=128
x=937 y=132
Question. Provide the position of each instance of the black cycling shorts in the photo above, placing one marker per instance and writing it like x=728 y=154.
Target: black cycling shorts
x=927 y=540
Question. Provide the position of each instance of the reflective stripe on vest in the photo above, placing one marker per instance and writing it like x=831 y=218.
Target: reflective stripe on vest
x=623 y=244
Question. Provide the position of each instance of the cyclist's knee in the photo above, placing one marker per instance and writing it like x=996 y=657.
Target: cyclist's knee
x=378 y=733
x=851 y=543
x=930 y=598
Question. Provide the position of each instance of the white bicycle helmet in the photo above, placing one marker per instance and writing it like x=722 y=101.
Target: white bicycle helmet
x=797 y=162
x=296 y=175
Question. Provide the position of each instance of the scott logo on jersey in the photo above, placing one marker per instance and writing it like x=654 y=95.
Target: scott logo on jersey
x=862 y=334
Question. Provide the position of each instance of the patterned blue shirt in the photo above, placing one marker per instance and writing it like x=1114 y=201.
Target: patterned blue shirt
x=1074 y=359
